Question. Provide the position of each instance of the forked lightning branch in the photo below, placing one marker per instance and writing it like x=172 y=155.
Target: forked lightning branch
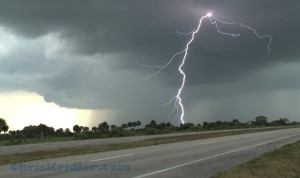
x=178 y=109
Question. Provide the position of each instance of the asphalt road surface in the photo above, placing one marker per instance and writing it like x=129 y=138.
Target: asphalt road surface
x=78 y=143
x=199 y=158
x=13 y=149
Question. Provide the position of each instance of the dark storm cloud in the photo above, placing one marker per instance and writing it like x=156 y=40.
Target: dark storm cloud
x=147 y=31
x=93 y=26
x=103 y=43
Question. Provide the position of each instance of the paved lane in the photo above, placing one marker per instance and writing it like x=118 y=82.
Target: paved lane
x=84 y=143
x=200 y=158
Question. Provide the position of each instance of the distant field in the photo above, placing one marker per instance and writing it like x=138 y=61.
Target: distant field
x=282 y=162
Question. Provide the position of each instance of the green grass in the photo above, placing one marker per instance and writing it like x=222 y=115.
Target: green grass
x=38 y=155
x=282 y=162
x=34 y=140
x=22 y=141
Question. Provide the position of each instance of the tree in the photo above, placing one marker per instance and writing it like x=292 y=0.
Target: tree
x=42 y=128
x=138 y=123
x=162 y=126
x=3 y=126
x=112 y=126
x=261 y=120
x=130 y=124
x=50 y=131
x=283 y=121
x=31 y=131
x=205 y=125
x=76 y=128
x=12 y=132
x=95 y=129
x=169 y=125
x=103 y=127
x=186 y=126
x=152 y=124
x=59 y=132
x=235 y=122
x=85 y=129
x=134 y=124
x=124 y=126
x=68 y=132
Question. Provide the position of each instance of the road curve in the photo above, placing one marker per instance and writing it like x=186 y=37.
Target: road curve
x=199 y=158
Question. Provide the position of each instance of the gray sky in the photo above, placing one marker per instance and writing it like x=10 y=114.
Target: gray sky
x=86 y=55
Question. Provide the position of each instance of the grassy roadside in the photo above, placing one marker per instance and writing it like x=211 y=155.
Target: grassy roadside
x=127 y=133
x=38 y=155
x=282 y=162
x=34 y=140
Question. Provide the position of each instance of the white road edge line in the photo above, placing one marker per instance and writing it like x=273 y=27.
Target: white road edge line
x=214 y=156
x=112 y=157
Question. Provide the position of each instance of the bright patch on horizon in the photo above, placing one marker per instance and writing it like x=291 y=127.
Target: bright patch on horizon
x=21 y=109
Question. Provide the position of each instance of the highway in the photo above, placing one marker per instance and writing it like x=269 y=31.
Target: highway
x=83 y=143
x=13 y=149
x=199 y=158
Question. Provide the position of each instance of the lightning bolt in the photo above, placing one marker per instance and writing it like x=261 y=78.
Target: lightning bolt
x=177 y=97
x=178 y=105
x=215 y=21
x=259 y=36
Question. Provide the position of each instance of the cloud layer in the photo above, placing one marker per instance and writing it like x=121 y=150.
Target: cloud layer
x=87 y=54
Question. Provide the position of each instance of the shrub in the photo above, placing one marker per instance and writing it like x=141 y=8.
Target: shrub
x=195 y=128
x=116 y=132
x=152 y=131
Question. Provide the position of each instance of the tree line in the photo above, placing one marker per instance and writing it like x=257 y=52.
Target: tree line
x=131 y=128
